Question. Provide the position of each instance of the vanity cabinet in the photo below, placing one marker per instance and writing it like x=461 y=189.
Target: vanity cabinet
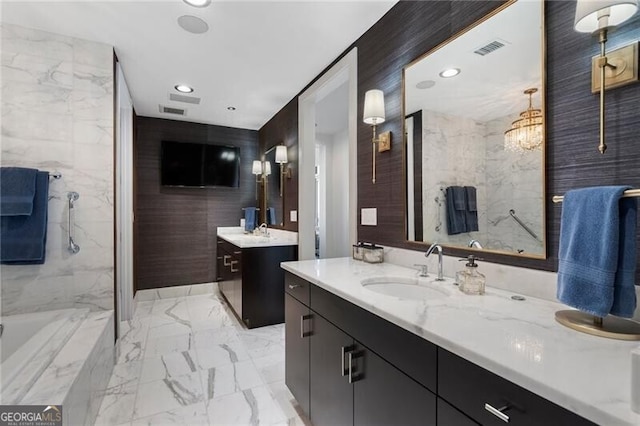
x=347 y=366
x=251 y=280
x=347 y=382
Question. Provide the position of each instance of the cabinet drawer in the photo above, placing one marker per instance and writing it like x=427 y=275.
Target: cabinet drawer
x=227 y=247
x=297 y=287
x=469 y=387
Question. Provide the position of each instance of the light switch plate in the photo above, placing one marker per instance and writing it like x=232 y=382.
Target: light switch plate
x=369 y=217
x=293 y=215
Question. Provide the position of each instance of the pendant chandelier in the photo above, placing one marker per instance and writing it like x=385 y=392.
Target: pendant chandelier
x=527 y=132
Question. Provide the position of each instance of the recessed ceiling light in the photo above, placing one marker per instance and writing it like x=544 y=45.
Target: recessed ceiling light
x=193 y=24
x=426 y=84
x=198 y=3
x=450 y=72
x=183 y=88
x=231 y=108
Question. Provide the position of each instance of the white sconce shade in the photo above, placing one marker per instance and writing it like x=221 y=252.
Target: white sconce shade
x=267 y=168
x=374 y=107
x=281 y=154
x=588 y=13
x=256 y=168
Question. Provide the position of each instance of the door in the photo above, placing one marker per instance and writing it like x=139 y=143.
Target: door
x=383 y=395
x=296 y=318
x=331 y=393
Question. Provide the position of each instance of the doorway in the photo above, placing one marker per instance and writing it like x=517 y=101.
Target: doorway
x=327 y=181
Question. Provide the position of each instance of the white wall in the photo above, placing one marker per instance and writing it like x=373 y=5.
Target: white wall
x=337 y=196
x=57 y=115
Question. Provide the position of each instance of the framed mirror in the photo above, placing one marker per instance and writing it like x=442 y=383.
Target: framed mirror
x=475 y=136
x=272 y=200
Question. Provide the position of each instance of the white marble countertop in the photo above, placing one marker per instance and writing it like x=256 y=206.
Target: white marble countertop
x=517 y=340
x=277 y=237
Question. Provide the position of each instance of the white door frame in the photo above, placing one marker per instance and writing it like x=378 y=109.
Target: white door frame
x=124 y=200
x=345 y=70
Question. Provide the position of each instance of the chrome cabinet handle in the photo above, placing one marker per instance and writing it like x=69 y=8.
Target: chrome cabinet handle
x=225 y=260
x=498 y=412
x=291 y=287
x=234 y=262
x=303 y=318
x=344 y=350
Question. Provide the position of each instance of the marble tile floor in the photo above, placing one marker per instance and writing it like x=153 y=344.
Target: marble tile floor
x=188 y=361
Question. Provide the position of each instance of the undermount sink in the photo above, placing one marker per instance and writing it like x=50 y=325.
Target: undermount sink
x=405 y=288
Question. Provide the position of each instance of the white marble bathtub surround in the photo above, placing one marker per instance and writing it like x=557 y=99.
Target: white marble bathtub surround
x=57 y=115
x=198 y=365
x=78 y=376
x=517 y=340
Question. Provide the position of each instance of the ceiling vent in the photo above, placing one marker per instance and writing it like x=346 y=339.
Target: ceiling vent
x=182 y=98
x=169 y=110
x=490 y=47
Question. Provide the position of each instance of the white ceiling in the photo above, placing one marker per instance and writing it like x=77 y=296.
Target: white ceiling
x=256 y=55
x=488 y=86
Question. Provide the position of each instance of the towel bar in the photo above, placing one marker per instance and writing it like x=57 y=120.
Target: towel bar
x=629 y=193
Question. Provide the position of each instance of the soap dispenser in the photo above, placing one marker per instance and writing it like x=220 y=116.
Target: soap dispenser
x=470 y=280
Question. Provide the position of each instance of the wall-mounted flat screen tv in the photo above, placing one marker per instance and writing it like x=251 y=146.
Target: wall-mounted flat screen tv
x=199 y=165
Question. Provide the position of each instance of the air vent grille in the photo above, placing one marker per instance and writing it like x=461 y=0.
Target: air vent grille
x=488 y=48
x=182 y=98
x=169 y=110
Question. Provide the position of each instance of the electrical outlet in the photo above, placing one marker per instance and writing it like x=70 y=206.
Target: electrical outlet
x=369 y=217
x=293 y=215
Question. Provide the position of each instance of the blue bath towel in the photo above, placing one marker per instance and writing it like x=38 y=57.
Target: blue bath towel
x=17 y=190
x=271 y=216
x=456 y=223
x=471 y=211
x=23 y=239
x=250 y=218
x=597 y=251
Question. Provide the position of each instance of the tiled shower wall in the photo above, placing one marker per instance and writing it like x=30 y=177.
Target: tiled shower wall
x=57 y=115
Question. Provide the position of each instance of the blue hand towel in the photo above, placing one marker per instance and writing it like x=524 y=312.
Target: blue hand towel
x=249 y=218
x=459 y=200
x=624 y=291
x=471 y=212
x=593 y=246
x=455 y=217
x=23 y=239
x=17 y=190
x=271 y=216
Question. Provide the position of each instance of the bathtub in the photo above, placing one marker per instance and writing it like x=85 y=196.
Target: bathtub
x=28 y=345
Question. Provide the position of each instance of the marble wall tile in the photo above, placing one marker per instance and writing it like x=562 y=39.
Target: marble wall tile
x=57 y=115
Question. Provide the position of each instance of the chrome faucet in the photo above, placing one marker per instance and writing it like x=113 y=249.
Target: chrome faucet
x=438 y=247
x=475 y=243
x=263 y=230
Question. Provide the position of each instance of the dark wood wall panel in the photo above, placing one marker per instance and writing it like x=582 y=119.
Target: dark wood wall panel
x=412 y=28
x=283 y=129
x=175 y=230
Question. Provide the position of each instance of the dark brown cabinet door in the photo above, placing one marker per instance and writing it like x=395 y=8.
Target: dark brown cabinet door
x=331 y=392
x=449 y=416
x=383 y=395
x=297 y=350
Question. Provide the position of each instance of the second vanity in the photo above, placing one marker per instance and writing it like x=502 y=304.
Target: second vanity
x=249 y=275
x=355 y=355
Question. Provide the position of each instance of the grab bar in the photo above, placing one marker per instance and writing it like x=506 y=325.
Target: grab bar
x=72 y=197
x=512 y=212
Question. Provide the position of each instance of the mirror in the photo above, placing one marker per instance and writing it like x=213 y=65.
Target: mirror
x=469 y=182
x=273 y=202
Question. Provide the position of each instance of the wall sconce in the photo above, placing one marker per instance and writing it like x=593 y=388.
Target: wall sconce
x=621 y=66
x=261 y=169
x=374 y=115
x=282 y=159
